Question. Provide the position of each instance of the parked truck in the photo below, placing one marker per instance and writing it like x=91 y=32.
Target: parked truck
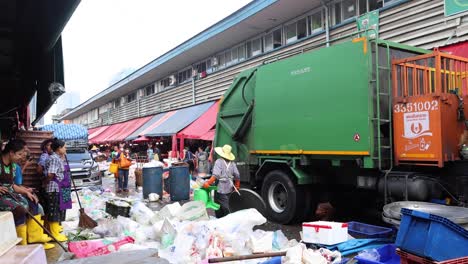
x=370 y=115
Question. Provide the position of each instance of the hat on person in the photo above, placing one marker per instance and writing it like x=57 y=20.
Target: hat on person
x=225 y=152
x=94 y=147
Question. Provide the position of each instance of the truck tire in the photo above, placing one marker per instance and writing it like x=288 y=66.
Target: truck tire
x=284 y=199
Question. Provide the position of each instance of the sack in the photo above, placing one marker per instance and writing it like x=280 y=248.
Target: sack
x=124 y=162
x=138 y=177
x=113 y=168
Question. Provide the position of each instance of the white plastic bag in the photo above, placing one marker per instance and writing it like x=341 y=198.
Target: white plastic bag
x=128 y=226
x=240 y=220
x=141 y=214
x=261 y=241
x=153 y=197
x=280 y=241
x=294 y=254
x=182 y=248
x=108 y=227
x=370 y=254
x=170 y=210
x=168 y=234
x=193 y=211
x=310 y=256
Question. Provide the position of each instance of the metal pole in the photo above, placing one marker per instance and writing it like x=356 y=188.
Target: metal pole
x=327 y=28
x=138 y=107
x=193 y=90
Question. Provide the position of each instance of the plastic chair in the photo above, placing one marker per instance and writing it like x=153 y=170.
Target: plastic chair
x=204 y=195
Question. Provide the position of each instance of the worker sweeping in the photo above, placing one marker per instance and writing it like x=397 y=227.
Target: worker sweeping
x=227 y=174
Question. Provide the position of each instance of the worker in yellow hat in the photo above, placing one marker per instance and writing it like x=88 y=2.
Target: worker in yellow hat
x=227 y=174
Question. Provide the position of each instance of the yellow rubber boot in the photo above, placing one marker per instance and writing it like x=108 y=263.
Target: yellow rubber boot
x=47 y=245
x=45 y=234
x=21 y=232
x=35 y=231
x=55 y=230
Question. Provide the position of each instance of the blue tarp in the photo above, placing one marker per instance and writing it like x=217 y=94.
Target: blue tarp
x=67 y=131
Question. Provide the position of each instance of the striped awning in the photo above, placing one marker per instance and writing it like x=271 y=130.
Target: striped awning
x=170 y=123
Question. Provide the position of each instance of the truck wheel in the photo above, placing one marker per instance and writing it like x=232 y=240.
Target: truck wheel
x=282 y=197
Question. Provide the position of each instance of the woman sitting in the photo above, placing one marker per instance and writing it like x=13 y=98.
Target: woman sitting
x=18 y=199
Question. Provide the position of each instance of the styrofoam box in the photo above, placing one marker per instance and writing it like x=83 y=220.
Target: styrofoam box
x=324 y=233
x=29 y=254
x=8 y=238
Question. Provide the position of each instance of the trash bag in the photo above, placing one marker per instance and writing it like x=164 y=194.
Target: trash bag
x=128 y=226
x=294 y=254
x=310 y=256
x=370 y=254
x=261 y=241
x=280 y=241
x=182 y=249
x=153 y=197
x=241 y=220
x=167 y=233
x=108 y=227
x=141 y=214
x=170 y=210
x=193 y=211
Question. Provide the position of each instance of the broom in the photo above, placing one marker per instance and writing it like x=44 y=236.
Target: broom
x=85 y=220
x=39 y=223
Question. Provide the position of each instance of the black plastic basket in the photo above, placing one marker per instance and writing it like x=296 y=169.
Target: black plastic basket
x=116 y=210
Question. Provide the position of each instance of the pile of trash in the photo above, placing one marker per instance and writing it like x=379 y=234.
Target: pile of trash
x=181 y=233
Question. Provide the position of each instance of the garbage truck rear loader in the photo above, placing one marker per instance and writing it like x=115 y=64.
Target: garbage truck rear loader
x=326 y=118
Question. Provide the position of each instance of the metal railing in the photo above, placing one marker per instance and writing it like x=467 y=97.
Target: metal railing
x=433 y=73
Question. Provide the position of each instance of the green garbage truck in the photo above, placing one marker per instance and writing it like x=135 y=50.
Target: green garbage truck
x=321 y=118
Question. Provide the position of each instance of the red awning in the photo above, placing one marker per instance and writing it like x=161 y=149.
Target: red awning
x=142 y=139
x=201 y=126
x=458 y=49
x=118 y=132
x=94 y=132
x=209 y=136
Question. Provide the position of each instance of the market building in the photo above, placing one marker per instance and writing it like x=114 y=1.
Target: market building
x=202 y=68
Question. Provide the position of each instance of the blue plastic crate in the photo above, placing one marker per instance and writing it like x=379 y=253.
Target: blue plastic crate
x=387 y=254
x=361 y=230
x=431 y=236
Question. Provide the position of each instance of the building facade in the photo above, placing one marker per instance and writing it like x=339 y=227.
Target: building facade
x=202 y=68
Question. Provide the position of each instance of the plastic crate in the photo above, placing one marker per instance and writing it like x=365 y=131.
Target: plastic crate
x=116 y=210
x=361 y=230
x=431 y=236
x=407 y=258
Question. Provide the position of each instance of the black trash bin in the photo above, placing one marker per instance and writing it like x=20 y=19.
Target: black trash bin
x=152 y=181
x=179 y=183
